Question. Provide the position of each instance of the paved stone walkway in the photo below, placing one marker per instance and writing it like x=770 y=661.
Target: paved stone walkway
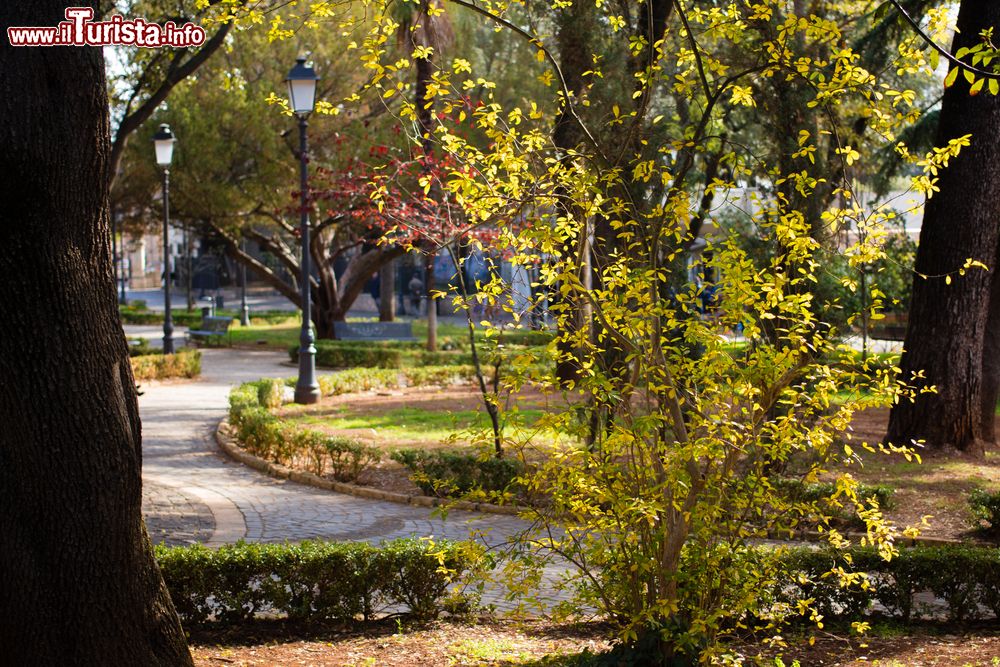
x=195 y=493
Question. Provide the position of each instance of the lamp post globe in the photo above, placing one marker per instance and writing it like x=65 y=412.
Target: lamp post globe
x=301 y=82
x=163 y=143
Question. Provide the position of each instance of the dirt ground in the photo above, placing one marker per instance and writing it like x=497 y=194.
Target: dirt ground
x=389 y=644
x=938 y=487
x=536 y=644
x=389 y=475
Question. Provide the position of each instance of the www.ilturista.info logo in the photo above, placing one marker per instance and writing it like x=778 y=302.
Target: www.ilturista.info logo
x=79 y=30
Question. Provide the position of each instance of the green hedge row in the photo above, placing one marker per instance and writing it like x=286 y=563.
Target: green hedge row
x=822 y=495
x=186 y=363
x=137 y=313
x=352 y=354
x=965 y=579
x=366 y=379
x=266 y=436
x=312 y=580
x=454 y=474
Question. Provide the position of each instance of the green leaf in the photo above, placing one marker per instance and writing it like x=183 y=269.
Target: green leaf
x=977 y=86
x=949 y=80
x=882 y=11
x=994 y=87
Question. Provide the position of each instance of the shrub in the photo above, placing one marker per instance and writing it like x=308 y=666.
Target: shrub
x=985 y=508
x=336 y=354
x=965 y=578
x=139 y=347
x=184 y=364
x=311 y=580
x=380 y=354
x=431 y=375
x=264 y=435
x=452 y=474
x=345 y=457
x=349 y=458
x=821 y=494
x=270 y=393
x=358 y=379
x=367 y=379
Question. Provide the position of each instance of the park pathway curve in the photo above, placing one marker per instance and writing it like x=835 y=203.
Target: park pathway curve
x=193 y=493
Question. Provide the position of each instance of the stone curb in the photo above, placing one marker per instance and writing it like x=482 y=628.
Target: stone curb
x=231 y=448
x=228 y=445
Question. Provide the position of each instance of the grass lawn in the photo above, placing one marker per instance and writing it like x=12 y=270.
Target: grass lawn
x=285 y=333
x=411 y=425
x=277 y=335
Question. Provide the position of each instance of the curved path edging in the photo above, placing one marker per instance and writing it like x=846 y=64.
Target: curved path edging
x=230 y=446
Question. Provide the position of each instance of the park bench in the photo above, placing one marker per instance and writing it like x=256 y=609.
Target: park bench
x=212 y=328
x=373 y=331
x=891 y=327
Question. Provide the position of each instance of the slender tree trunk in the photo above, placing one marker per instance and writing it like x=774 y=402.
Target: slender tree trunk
x=432 y=319
x=387 y=293
x=79 y=582
x=425 y=74
x=948 y=322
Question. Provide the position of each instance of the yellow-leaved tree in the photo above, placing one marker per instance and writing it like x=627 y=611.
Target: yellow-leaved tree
x=691 y=192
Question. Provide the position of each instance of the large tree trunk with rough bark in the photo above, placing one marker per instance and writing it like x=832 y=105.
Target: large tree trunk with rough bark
x=948 y=322
x=78 y=582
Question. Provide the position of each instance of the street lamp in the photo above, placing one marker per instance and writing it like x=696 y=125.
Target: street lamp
x=302 y=97
x=163 y=141
x=244 y=308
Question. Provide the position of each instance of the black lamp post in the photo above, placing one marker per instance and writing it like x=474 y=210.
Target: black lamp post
x=115 y=257
x=244 y=308
x=163 y=141
x=302 y=98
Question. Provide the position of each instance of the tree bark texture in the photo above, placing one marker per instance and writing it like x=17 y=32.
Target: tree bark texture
x=948 y=322
x=387 y=293
x=78 y=582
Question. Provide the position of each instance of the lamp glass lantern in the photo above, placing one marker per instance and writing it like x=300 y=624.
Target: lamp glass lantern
x=301 y=82
x=163 y=141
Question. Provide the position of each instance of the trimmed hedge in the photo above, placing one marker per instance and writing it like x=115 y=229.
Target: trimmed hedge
x=136 y=312
x=186 y=363
x=312 y=581
x=454 y=474
x=985 y=508
x=965 y=578
x=387 y=354
x=797 y=490
x=366 y=379
x=266 y=436
x=335 y=354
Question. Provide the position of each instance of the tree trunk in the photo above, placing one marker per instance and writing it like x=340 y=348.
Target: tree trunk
x=990 y=391
x=432 y=320
x=387 y=293
x=574 y=39
x=948 y=323
x=80 y=585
